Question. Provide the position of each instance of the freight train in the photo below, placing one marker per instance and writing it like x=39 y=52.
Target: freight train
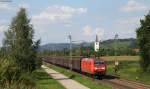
x=85 y=65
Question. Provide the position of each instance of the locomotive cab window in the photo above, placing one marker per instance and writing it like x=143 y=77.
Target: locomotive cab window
x=98 y=62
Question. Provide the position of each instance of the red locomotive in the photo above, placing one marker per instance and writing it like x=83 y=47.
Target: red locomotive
x=86 y=65
x=91 y=66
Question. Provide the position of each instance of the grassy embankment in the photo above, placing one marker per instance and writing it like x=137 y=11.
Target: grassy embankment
x=78 y=77
x=44 y=81
x=129 y=68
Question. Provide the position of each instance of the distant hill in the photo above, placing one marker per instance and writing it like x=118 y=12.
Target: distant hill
x=131 y=42
x=54 y=46
x=61 y=46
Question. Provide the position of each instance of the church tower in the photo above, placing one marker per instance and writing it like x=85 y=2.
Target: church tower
x=96 y=45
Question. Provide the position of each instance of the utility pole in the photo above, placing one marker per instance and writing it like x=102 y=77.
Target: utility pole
x=115 y=38
x=81 y=45
x=70 y=38
x=116 y=61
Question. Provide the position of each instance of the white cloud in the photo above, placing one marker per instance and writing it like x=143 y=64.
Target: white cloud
x=58 y=13
x=3 y=25
x=128 y=25
x=133 y=6
x=99 y=31
x=89 y=31
x=53 y=15
x=67 y=25
x=132 y=21
x=3 y=28
x=24 y=5
x=4 y=6
x=126 y=22
x=9 y=7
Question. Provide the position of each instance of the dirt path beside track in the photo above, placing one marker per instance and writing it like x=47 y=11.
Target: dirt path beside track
x=62 y=79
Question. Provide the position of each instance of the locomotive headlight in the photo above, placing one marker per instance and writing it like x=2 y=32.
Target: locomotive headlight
x=95 y=68
x=103 y=68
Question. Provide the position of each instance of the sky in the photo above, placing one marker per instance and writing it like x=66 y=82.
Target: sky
x=54 y=20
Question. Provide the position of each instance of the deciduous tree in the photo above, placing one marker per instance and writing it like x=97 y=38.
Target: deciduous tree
x=143 y=36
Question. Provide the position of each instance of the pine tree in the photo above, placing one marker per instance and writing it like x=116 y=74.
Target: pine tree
x=19 y=42
x=143 y=36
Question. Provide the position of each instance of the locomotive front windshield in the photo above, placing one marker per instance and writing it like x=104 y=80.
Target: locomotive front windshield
x=98 y=62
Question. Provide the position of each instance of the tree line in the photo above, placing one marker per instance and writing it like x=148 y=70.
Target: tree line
x=84 y=51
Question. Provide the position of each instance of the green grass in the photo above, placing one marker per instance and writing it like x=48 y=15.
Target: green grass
x=130 y=70
x=44 y=81
x=78 y=77
x=121 y=58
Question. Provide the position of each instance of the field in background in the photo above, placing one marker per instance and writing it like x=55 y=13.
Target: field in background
x=121 y=58
x=129 y=68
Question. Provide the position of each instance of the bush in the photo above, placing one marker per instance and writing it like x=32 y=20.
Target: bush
x=8 y=72
x=12 y=78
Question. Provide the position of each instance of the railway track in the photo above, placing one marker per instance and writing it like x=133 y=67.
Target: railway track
x=118 y=83
x=126 y=84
